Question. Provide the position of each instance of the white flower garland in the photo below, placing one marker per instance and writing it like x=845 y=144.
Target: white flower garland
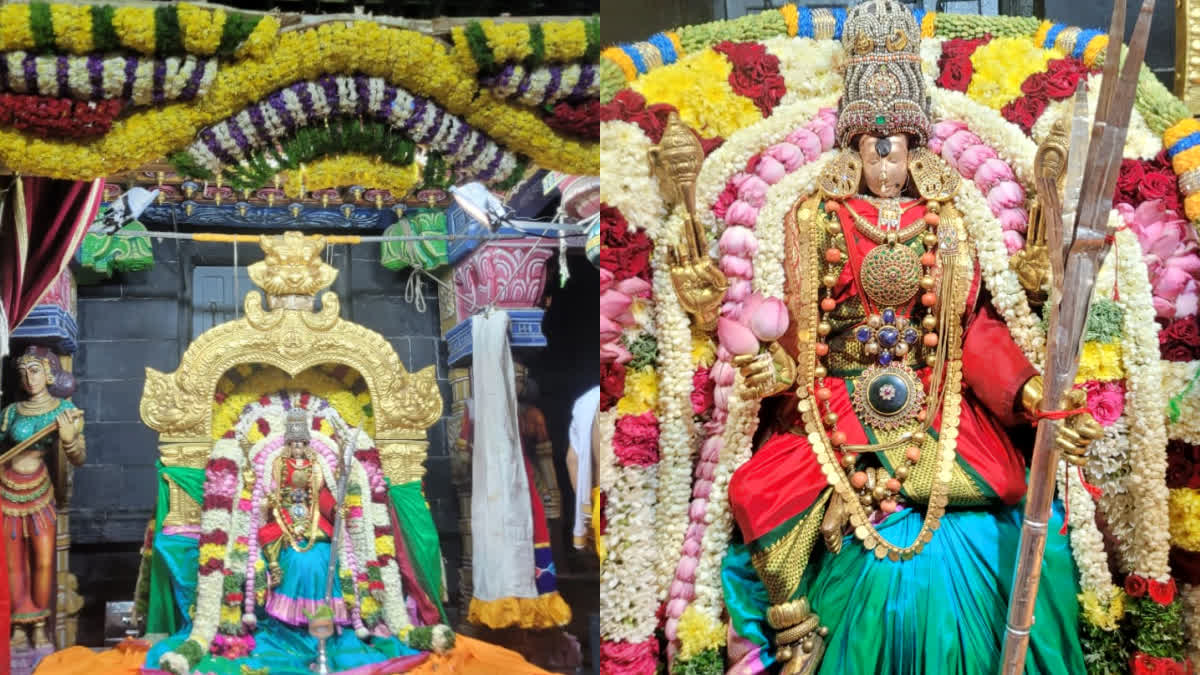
x=1145 y=403
x=628 y=593
x=1108 y=461
x=1176 y=377
x=1140 y=143
x=1008 y=297
x=731 y=157
x=809 y=68
x=675 y=440
x=1087 y=543
x=769 y=264
x=625 y=180
x=931 y=51
x=1006 y=138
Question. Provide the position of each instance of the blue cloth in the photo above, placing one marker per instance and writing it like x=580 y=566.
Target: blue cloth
x=944 y=611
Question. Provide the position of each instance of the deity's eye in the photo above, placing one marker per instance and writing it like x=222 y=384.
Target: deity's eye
x=883 y=147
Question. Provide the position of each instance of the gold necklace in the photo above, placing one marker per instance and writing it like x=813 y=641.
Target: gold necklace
x=312 y=507
x=40 y=406
x=878 y=234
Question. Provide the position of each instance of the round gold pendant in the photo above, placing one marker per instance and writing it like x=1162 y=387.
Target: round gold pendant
x=891 y=275
x=887 y=397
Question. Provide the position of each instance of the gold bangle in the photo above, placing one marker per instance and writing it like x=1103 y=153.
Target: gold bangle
x=787 y=614
x=797 y=633
x=1032 y=394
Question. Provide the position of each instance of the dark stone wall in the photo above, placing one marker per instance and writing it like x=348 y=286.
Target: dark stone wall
x=144 y=319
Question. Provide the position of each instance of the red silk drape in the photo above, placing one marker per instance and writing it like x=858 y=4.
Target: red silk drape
x=43 y=222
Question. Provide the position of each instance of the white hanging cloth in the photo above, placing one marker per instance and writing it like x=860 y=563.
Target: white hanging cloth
x=501 y=516
x=583 y=415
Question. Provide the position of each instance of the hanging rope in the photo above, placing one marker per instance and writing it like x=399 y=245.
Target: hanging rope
x=414 y=291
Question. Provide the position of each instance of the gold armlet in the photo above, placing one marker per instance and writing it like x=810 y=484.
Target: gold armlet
x=1031 y=395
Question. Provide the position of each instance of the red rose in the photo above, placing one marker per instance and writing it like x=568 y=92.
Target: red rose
x=635 y=440
x=1034 y=85
x=1156 y=185
x=1185 y=330
x=1062 y=77
x=581 y=120
x=727 y=197
x=1178 y=353
x=1128 y=179
x=1162 y=593
x=702 y=391
x=1024 y=111
x=1135 y=586
x=1181 y=470
x=956 y=74
x=612 y=384
x=624 y=253
x=963 y=46
x=1162 y=160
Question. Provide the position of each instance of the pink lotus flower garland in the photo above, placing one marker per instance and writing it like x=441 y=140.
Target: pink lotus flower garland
x=616 y=299
x=1170 y=250
x=738 y=206
x=979 y=162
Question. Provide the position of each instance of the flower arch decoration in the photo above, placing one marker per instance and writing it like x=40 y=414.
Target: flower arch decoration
x=761 y=92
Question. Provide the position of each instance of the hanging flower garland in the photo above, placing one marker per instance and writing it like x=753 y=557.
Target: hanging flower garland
x=58 y=117
x=138 y=80
x=164 y=30
x=484 y=46
x=544 y=85
x=350 y=169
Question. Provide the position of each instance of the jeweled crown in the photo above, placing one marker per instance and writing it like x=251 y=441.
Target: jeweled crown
x=296 y=426
x=884 y=91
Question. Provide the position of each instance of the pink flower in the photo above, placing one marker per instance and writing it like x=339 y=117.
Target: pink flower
x=615 y=305
x=957 y=143
x=1170 y=251
x=687 y=568
x=739 y=241
x=741 y=213
x=991 y=172
x=606 y=279
x=625 y=658
x=635 y=441
x=614 y=352
x=635 y=287
x=823 y=126
x=609 y=330
x=770 y=170
x=972 y=158
x=736 y=337
x=1105 y=401
x=739 y=290
x=1013 y=241
x=1005 y=195
x=702 y=391
x=791 y=155
x=1013 y=219
x=753 y=191
x=733 y=266
x=808 y=141
x=723 y=373
x=943 y=130
x=769 y=320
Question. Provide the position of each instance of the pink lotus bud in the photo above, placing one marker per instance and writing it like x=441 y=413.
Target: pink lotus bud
x=671 y=631
x=615 y=305
x=1013 y=219
x=971 y=159
x=790 y=155
x=808 y=141
x=769 y=320
x=702 y=489
x=721 y=394
x=946 y=128
x=676 y=607
x=695 y=531
x=753 y=191
x=739 y=290
x=1186 y=303
x=687 y=569
x=750 y=306
x=609 y=330
x=706 y=470
x=606 y=279
x=741 y=213
x=733 y=266
x=738 y=179
x=635 y=287
x=699 y=506
x=740 y=241
x=1005 y=195
x=956 y=144
x=690 y=547
x=731 y=310
x=710 y=451
x=676 y=588
x=614 y=352
x=991 y=172
x=736 y=337
x=770 y=170
x=1014 y=241
x=824 y=129
x=722 y=373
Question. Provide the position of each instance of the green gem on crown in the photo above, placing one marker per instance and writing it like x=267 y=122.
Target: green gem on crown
x=880 y=119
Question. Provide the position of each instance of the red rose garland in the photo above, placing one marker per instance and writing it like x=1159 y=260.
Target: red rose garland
x=1179 y=340
x=58 y=117
x=1141 y=180
x=576 y=120
x=955 y=62
x=755 y=74
x=1056 y=83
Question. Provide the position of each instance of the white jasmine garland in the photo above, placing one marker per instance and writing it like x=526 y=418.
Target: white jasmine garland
x=1108 y=461
x=1008 y=297
x=1144 y=406
x=628 y=594
x=931 y=52
x=242 y=119
x=1087 y=543
x=143 y=82
x=539 y=82
x=675 y=439
x=347 y=95
x=16 y=73
x=1140 y=142
x=809 y=68
x=320 y=102
x=79 y=81
x=769 y=267
x=1010 y=143
x=625 y=180
x=1176 y=378
x=731 y=157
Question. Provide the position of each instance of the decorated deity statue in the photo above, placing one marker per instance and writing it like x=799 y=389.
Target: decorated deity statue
x=298 y=528
x=880 y=516
x=535 y=442
x=41 y=433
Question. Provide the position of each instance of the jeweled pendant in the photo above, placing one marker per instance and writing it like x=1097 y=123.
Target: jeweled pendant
x=888 y=395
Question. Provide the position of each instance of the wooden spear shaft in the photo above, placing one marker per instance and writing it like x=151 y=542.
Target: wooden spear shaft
x=1085 y=243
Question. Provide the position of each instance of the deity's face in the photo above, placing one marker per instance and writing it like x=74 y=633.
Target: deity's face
x=885 y=163
x=34 y=376
x=297 y=448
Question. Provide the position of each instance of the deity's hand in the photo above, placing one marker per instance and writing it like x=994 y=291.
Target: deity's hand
x=1077 y=431
x=70 y=423
x=700 y=285
x=799 y=636
x=766 y=373
x=1032 y=266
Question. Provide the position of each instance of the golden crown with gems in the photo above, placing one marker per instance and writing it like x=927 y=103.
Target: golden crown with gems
x=884 y=89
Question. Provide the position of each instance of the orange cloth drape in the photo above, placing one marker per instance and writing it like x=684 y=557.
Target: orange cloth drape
x=126 y=659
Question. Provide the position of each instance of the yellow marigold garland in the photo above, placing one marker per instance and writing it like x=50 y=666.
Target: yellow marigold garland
x=201 y=28
x=704 y=351
x=1002 y=65
x=928 y=25
x=509 y=41
x=791 y=17
x=318 y=382
x=1185 y=518
x=135 y=28
x=1100 y=362
x=1095 y=47
x=522 y=130
x=15 y=31
x=565 y=40
x=698 y=633
x=72 y=27
x=621 y=59
x=351 y=169
x=698 y=87
x=1043 y=31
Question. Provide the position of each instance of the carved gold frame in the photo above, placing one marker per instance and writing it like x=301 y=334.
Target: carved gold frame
x=293 y=338
x=1187 y=53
